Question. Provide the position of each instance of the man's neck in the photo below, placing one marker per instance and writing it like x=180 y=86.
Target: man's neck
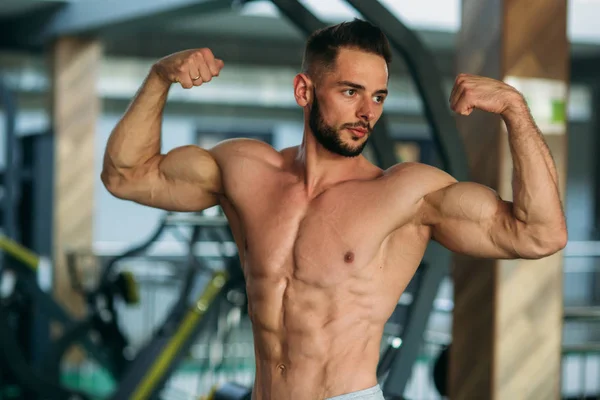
x=320 y=168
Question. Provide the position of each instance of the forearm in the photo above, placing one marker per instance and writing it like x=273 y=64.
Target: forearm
x=536 y=198
x=137 y=136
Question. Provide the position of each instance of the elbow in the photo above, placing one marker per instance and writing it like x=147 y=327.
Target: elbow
x=545 y=242
x=553 y=245
x=113 y=182
x=561 y=239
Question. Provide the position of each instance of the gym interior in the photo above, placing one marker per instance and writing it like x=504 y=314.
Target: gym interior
x=102 y=298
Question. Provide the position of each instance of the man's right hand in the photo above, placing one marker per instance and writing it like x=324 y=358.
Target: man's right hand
x=189 y=67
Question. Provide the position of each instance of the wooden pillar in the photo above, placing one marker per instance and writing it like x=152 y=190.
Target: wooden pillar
x=75 y=110
x=507 y=326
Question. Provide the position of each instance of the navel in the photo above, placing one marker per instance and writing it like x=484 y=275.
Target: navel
x=281 y=368
x=349 y=257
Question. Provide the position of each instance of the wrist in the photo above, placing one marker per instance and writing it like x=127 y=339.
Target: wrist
x=154 y=77
x=516 y=107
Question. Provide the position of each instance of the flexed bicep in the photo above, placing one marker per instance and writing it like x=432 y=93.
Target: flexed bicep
x=185 y=179
x=472 y=219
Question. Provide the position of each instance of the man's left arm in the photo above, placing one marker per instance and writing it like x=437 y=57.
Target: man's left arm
x=472 y=219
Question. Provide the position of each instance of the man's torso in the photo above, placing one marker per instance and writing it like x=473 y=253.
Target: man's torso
x=323 y=272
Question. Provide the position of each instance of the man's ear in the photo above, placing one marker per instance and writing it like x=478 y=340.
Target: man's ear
x=303 y=89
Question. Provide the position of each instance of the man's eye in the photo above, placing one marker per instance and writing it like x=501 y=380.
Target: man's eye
x=379 y=99
x=350 y=92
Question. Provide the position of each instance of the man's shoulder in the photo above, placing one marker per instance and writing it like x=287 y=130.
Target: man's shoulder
x=423 y=177
x=409 y=169
x=242 y=145
x=246 y=149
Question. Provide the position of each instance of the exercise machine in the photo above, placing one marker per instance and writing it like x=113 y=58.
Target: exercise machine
x=23 y=275
x=206 y=287
x=139 y=376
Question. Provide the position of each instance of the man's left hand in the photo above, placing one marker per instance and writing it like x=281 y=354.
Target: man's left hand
x=491 y=95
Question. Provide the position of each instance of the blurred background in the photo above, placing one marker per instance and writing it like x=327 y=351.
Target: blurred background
x=133 y=324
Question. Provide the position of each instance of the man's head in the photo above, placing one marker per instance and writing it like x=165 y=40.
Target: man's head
x=343 y=84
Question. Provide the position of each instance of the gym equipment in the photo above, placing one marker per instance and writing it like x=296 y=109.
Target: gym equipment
x=144 y=375
x=26 y=197
x=204 y=288
x=23 y=268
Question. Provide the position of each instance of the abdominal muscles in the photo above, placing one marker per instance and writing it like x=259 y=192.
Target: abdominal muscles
x=317 y=333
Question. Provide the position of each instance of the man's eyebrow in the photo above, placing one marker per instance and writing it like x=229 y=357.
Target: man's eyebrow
x=359 y=87
x=351 y=84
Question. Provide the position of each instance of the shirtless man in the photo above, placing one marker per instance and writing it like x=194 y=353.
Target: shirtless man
x=327 y=240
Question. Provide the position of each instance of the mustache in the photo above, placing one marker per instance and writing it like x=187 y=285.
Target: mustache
x=368 y=127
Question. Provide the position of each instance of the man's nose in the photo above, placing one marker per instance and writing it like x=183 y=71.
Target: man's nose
x=366 y=111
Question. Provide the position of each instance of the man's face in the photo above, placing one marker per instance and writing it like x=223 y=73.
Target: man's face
x=350 y=102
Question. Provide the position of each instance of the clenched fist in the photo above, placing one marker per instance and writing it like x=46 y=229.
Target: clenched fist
x=189 y=67
x=486 y=94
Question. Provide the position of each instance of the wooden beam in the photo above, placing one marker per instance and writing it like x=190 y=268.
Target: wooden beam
x=507 y=326
x=75 y=110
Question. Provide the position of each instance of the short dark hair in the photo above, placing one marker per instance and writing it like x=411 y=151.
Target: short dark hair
x=323 y=45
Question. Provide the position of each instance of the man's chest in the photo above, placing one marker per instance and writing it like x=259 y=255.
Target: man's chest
x=322 y=241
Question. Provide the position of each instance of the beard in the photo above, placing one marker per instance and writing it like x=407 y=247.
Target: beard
x=330 y=137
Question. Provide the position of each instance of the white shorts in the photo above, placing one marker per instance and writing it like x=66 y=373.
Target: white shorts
x=372 y=393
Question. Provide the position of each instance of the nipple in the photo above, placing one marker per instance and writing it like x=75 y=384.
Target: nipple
x=349 y=257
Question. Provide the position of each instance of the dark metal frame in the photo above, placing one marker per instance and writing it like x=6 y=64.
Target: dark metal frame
x=27 y=201
x=36 y=29
x=35 y=208
x=25 y=205
x=11 y=175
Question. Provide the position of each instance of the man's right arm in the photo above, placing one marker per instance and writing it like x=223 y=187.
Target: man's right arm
x=187 y=178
